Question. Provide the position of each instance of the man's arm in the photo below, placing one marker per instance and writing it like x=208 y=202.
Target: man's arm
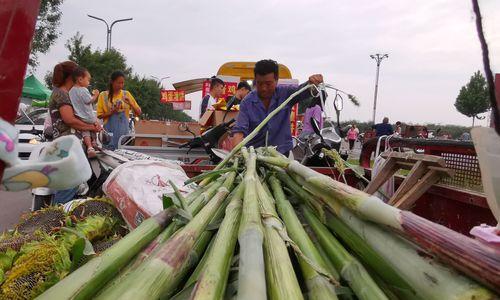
x=242 y=127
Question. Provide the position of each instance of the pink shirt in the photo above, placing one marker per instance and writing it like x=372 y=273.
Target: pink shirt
x=314 y=112
x=352 y=134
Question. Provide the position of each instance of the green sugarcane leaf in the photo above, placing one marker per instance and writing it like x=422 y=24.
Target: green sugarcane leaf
x=88 y=249
x=77 y=253
x=2 y=276
x=7 y=259
x=184 y=214
x=167 y=201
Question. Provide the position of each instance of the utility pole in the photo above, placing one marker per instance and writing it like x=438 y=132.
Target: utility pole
x=109 y=29
x=378 y=58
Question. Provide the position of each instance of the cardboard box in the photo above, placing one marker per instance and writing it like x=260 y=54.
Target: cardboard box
x=219 y=116
x=168 y=128
x=216 y=117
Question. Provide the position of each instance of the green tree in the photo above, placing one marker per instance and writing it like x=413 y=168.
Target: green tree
x=473 y=98
x=46 y=31
x=102 y=63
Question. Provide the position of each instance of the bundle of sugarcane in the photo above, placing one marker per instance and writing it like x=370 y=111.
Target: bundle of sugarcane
x=261 y=229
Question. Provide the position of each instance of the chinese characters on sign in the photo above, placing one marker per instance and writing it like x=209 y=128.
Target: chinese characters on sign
x=168 y=96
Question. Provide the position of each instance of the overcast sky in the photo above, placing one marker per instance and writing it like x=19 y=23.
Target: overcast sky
x=432 y=45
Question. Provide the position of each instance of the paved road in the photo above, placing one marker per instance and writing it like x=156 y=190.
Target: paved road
x=12 y=206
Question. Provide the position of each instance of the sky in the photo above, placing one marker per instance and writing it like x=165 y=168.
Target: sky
x=432 y=45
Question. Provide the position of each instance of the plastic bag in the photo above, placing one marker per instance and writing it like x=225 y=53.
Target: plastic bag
x=388 y=187
x=137 y=188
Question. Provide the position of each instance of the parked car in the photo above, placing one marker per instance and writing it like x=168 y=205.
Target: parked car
x=30 y=127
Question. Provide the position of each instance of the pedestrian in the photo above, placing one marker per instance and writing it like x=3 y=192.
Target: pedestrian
x=384 y=128
x=242 y=91
x=397 y=130
x=82 y=104
x=114 y=107
x=62 y=115
x=313 y=111
x=216 y=91
x=352 y=136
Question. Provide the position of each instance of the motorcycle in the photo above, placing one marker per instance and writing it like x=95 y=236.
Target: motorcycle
x=209 y=140
x=308 y=149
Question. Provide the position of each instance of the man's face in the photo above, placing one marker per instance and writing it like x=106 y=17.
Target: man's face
x=242 y=93
x=265 y=85
x=218 y=90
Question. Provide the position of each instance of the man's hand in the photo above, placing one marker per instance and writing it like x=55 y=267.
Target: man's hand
x=237 y=138
x=316 y=79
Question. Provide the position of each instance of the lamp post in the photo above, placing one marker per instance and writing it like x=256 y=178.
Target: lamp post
x=160 y=79
x=109 y=29
x=378 y=58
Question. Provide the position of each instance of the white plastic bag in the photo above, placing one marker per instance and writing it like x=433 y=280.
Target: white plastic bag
x=137 y=188
x=388 y=187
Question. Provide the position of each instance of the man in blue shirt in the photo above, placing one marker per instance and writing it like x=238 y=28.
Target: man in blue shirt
x=384 y=128
x=266 y=97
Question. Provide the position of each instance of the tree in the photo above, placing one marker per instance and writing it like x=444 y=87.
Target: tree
x=46 y=31
x=473 y=98
x=101 y=64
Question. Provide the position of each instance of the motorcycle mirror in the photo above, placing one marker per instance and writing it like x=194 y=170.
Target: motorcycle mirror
x=315 y=126
x=338 y=102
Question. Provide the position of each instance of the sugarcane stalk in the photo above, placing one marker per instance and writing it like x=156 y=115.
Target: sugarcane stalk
x=280 y=276
x=209 y=174
x=427 y=277
x=472 y=257
x=159 y=276
x=350 y=269
x=252 y=134
x=251 y=275
x=212 y=280
x=195 y=205
x=319 y=287
x=180 y=196
x=87 y=280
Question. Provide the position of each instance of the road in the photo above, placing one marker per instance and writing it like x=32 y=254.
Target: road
x=12 y=206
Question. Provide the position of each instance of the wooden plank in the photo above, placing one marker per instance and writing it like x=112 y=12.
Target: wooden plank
x=407 y=201
x=413 y=157
x=418 y=170
x=387 y=170
x=444 y=171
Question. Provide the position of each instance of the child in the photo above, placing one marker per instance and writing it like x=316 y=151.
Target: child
x=82 y=105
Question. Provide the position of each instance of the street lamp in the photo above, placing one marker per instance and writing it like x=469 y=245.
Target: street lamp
x=109 y=28
x=160 y=79
x=378 y=58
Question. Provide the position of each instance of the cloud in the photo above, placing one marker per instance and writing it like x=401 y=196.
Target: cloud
x=432 y=45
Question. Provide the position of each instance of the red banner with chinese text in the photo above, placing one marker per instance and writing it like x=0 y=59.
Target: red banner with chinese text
x=168 y=96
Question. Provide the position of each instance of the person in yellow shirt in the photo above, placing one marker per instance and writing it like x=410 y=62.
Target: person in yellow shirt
x=114 y=106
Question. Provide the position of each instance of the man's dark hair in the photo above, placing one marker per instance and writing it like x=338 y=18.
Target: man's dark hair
x=243 y=85
x=266 y=66
x=215 y=81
